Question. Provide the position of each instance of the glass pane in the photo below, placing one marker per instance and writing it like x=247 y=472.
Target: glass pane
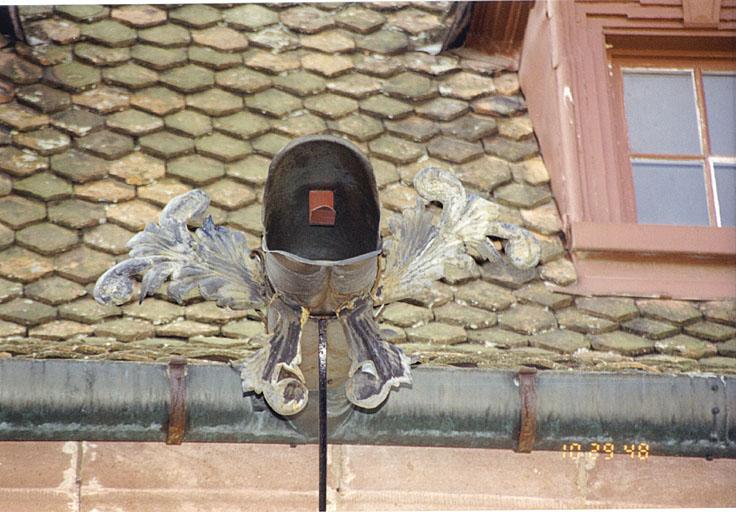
x=660 y=112
x=726 y=192
x=720 y=102
x=670 y=192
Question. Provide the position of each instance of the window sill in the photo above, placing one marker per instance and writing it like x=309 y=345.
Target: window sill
x=685 y=262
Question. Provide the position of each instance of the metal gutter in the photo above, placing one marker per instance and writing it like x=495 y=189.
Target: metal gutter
x=691 y=415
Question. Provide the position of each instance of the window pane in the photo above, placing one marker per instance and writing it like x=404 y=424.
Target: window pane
x=670 y=192
x=660 y=112
x=726 y=192
x=720 y=102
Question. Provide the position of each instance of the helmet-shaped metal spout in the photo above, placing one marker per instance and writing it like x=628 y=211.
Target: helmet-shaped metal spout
x=321 y=166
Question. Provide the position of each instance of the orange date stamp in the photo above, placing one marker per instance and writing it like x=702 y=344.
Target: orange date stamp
x=574 y=451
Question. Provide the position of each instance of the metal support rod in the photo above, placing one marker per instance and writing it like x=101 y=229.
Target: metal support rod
x=322 y=356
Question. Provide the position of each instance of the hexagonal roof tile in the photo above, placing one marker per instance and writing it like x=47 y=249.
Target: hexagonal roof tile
x=188 y=79
x=359 y=19
x=222 y=147
x=330 y=105
x=23 y=265
x=275 y=38
x=242 y=125
x=134 y=122
x=414 y=128
x=467 y=86
x=357 y=126
x=165 y=144
x=355 y=85
x=414 y=21
x=18 y=70
x=158 y=101
x=162 y=191
x=168 y=36
x=21 y=163
x=140 y=16
x=105 y=191
x=43 y=98
x=252 y=170
x=411 y=86
x=197 y=16
x=98 y=55
x=130 y=75
x=271 y=62
x=430 y=64
x=196 y=169
x=87 y=310
x=442 y=109
x=138 y=169
x=86 y=13
x=242 y=80
x=511 y=150
x=47 y=239
x=51 y=30
x=109 y=238
x=106 y=144
x=132 y=215
x=78 y=121
x=76 y=214
x=110 y=33
x=21 y=118
x=44 y=186
x=299 y=125
x=300 y=83
x=327 y=65
x=189 y=123
x=221 y=38
x=250 y=17
x=330 y=41
x=215 y=102
x=213 y=59
x=55 y=290
x=384 y=42
x=269 y=144
x=229 y=194
x=18 y=212
x=484 y=174
x=27 y=312
x=396 y=150
x=78 y=166
x=103 y=99
x=306 y=19
x=157 y=58
x=470 y=128
x=248 y=219
x=83 y=265
x=273 y=103
x=385 y=107
x=72 y=76
x=45 y=141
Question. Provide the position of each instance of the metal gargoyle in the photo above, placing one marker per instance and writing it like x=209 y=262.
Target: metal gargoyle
x=318 y=260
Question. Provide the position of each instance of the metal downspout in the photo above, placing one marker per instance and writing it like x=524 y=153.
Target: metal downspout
x=690 y=415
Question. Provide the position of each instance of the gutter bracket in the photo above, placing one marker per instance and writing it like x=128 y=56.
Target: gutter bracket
x=527 y=378
x=177 y=372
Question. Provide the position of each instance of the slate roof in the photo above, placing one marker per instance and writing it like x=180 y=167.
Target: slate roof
x=118 y=109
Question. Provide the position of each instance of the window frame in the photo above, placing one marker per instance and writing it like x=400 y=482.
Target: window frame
x=695 y=64
x=566 y=76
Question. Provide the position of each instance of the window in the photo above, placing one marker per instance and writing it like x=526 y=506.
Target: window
x=633 y=107
x=681 y=132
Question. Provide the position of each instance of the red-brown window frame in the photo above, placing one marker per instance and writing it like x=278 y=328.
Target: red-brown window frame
x=698 y=63
x=568 y=80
